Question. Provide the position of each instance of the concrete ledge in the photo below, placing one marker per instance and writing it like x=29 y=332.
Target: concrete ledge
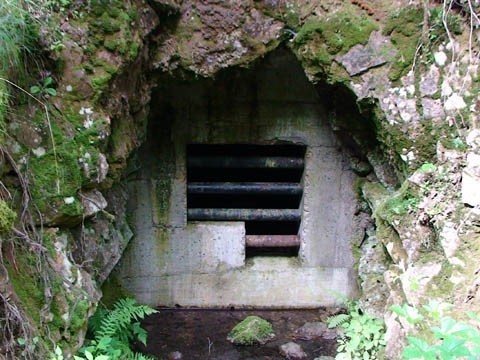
x=272 y=282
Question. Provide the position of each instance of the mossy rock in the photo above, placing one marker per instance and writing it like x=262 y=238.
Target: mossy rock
x=253 y=330
x=405 y=31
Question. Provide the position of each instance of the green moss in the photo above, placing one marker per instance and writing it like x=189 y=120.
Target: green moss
x=100 y=81
x=440 y=286
x=80 y=316
x=56 y=177
x=27 y=284
x=252 y=330
x=7 y=218
x=405 y=30
x=339 y=32
x=107 y=24
x=319 y=40
x=404 y=201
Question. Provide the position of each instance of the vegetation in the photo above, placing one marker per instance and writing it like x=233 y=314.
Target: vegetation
x=363 y=335
x=438 y=335
x=112 y=332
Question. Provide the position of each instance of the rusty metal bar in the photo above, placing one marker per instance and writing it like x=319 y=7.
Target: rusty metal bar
x=241 y=162
x=229 y=188
x=272 y=241
x=244 y=214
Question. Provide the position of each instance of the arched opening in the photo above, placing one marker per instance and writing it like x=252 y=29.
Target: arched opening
x=244 y=194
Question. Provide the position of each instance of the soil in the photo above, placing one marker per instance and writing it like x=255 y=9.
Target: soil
x=202 y=334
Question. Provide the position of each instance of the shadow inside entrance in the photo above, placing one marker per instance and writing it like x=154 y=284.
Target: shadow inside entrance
x=202 y=334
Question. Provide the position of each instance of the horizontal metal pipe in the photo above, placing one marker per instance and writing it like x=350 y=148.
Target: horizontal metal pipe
x=241 y=162
x=228 y=188
x=272 y=241
x=244 y=214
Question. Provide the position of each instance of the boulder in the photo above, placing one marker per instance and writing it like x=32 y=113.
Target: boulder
x=252 y=330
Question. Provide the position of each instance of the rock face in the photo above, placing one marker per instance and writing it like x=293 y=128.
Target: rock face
x=409 y=114
x=253 y=330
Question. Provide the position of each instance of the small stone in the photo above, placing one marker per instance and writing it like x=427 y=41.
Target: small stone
x=69 y=200
x=292 y=351
x=311 y=330
x=93 y=201
x=363 y=57
x=455 y=102
x=432 y=109
x=39 y=152
x=252 y=330
x=440 y=58
x=449 y=239
x=175 y=355
x=471 y=181
x=429 y=82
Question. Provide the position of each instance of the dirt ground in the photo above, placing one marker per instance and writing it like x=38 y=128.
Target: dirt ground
x=202 y=334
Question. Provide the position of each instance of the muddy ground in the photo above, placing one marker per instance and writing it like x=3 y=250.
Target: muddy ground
x=202 y=334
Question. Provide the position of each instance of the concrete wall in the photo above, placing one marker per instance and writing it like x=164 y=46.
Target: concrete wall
x=173 y=262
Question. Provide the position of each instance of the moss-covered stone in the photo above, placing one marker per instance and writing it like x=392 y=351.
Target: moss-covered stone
x=252 y=330
x=405 y=30
x=319 y=40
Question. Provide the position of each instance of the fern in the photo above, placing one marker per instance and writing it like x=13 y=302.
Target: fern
x=115 y=329
x=118 y=322
x=337 y=320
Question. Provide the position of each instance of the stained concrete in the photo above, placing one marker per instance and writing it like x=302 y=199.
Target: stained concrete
x=171 y=261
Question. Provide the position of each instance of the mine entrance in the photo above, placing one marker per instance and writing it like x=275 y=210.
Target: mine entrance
x=260 y=185
x=234 y=170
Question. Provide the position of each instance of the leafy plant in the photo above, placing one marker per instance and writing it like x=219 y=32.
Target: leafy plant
x=44 y=88
x=444 y=338
x=114 y=330
x=363 y=335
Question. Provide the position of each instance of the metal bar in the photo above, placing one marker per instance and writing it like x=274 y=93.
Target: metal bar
x=228 y=188
x=244 y=214
x=241 y=162
x=272 y=241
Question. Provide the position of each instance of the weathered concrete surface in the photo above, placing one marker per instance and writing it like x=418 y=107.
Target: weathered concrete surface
x=172 y=261
x=263 y=282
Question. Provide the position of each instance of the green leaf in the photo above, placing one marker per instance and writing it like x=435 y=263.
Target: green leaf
x=88 y=355
x=58 y=350
x=51 y=91
x=35 y=89
x=21 y=341
x=48 y=81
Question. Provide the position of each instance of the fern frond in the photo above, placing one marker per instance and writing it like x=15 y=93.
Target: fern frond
x=138 y=356
x=118 y=322
x=337 y=320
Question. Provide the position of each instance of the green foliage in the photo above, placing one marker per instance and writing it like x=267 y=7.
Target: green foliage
x=113 y=330
x=443 y=337
x=44 y=88
x=363 y=335
x=428 y=167
x=28 y=347
x=16 y=34
x=7 y=217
